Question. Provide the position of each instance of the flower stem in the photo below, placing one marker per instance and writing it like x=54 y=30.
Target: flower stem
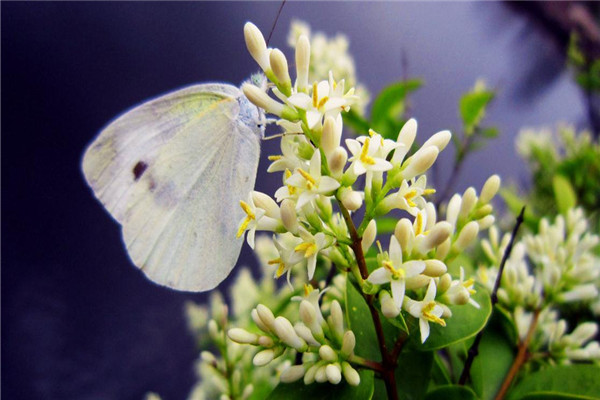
x=520 y=358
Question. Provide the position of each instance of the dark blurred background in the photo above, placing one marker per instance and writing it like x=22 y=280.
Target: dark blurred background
x=80 y=322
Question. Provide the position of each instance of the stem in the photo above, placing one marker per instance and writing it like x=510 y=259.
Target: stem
x=370 y=364
x=520 y=359
x=388 y=363
x=474 y=350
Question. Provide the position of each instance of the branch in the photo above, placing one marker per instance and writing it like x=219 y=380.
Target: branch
x=474 y=350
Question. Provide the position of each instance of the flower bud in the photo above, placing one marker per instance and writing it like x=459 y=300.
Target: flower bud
x=437 y=235
x=247 y=392
x=416 y=282
x=348 y=344
x=579 y=293
x=434 y=268
x=388 y=307
x=327 y=353
x=279 y=66
x=292 y=374
x=302 y=63
x=489 y=190
x=330 y=140
x=242 y=336
x=454 y=206
x=337 y=319
x=369 y=235
x=337 y=162
x=266 y=316
x=309 y=375
x=213 y=330
x=584 y=332
x=258 y=321
x=285 y=331
x=466 y=236
x=444 y=283
x=350 y=374
x=458 y=295
x=308 y=314
x=439 y=140
x=304 y=332
x=486 y=222
x=208 y=357
x=350 y=199
x=406 y=137
x=420 y=162
x=443 y=249
x=404 y=234
x=334 y=374
x=321 y=374
x=469 y=199
x=257 y=47
x=289 y=216
x=263 y=357
x=483 y=211
x=260 y=99
x=264 y=201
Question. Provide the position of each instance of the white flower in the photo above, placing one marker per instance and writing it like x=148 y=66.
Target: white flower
x=409 y=196
x=256 y=218
x=288 y=257
x=289 y=158
x=311 y=183
x=365 y=156
x=310 y=247
x=395 y=272
x=460 y=291
x=426 y=310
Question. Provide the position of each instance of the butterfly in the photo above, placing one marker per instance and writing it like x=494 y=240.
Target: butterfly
x=172 y=171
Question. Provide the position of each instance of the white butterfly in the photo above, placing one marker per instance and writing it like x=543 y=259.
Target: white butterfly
x=172 y=172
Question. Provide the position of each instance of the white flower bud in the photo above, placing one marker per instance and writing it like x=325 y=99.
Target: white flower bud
x=469 y=199
x=583 y=333
x=236 y=378
x=369 y=235
x=265 y=341
x=309 y=375
x=208 y=357
x=263 y=357
x=257 y=47
x=292 y=374
x=334 y=374
x=348 y=344
x=458 y=295
x=337 y=319
x=466 y=236
x=266 y=316
x=261 y=325
x=247 y=391
x=213 y=329
x=242 y=336
x=453 y=209
x=439 y=140
x=337 y=162
x=404 y=233
x=285 y=331
x=489 y=190
x=280 y=67
x=304 y=332
x=443 y=249
x=309 y=316
x=321 y=374
x=444 y=283
x=264 y=201
x=350 y=374
x=330 y=140
x=302 y=62
x=416 y=282
x=289 y=216
x=406 y=137
x=434 y=268
x=437 y=235
x=420 y=162
x=351 y=200
x=388 y=307
x=327 y=353
x=261 y=99
x=579 y=293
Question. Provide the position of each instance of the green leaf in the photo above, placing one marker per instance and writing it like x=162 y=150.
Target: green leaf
x=386 y=225
x=451 y=392
x=439 y=372
x=570 y=381
x=413 y=374
x=472 y=106
x=360 y=322
x=389 y=107
x=490 y=132
x=356 y=122
x=491 y=365
x=299 y=391
x=465 y=322
x=564 y=193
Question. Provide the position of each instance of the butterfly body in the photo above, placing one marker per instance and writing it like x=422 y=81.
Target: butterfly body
x=172 y=172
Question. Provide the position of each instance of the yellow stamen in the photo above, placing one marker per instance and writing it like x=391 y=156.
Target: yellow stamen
x=429 y=316
x=334 y=85
x=427 y=192
x=323 y=101
x=379 y=246
x=247 y=209
x=274 y=158
x=419 y=224
x=243 y=226
x=308 y=248
x=315 y=95
x=468 y=285
x=371 y=132
x=364 y=157
x=307 y=176
x=291 y=189
x=408 y=197
x=280 y=264
x=308 y=289
x=396 y=273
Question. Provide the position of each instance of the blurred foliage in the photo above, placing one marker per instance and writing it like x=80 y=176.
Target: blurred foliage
x=587 y=68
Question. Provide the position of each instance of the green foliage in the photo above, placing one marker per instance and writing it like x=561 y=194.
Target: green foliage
x=568 y=382
x=587 y=70
x=495 y=357
x=451 y=392
x=564 y=193
x=413 y=374
x=472 y=107
x=299 y=391
x=360 y=322
x=466 y=321
x=387 y=113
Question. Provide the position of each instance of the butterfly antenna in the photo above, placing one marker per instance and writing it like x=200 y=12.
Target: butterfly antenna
x=275 y=22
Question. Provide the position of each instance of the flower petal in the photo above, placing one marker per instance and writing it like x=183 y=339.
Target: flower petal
x=328 y=184
x=379 y=276
x=414 y=267
x=398 y=289
x=424 y=326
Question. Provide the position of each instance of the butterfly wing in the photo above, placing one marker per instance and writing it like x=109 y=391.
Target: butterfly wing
x=172 y=172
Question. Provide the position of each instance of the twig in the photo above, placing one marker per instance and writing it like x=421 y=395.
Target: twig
x=474 y=350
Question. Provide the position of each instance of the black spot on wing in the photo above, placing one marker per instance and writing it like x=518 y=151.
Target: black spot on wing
x=138 y=170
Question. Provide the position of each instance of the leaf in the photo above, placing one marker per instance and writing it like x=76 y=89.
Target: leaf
x=570 y=381
x=451 y=392
x=386 y=225
x=465 y=322
x=563 y=193
x=388 y=108
x=360 y=322
x=356 y=122
x=491 y=365
x=472 y=106
x=413 y=374
x=490 y=132
x=439 y=372
x=299 y=391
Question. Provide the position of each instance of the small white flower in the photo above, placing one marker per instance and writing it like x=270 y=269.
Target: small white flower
x=426 y=310
x=395 y=272
x=255 y=218
x=460 y=291
x=289 y=158
x=310 y=247
x=311 y=183
x=288 y=257
x=364 y=156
